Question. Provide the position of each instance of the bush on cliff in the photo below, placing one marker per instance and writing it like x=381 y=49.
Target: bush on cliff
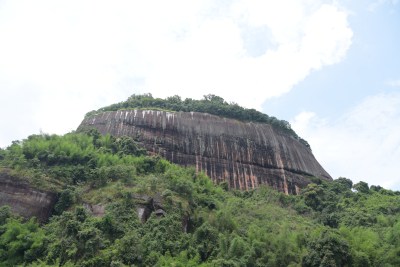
x=211 y=104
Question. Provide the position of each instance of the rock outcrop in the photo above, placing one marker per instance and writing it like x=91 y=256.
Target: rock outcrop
x=23 y=199
x=146 y=205
x=244 y=154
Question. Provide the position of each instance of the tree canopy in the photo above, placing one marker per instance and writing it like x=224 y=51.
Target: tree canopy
x=210 y=103
x=201 y=224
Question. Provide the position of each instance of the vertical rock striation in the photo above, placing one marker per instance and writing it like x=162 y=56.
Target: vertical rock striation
x=244 y=154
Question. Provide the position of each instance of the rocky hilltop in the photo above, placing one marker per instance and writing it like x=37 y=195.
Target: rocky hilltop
x=244 y=154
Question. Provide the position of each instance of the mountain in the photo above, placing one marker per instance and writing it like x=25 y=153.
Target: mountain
x=103 y=200
x=244 y=154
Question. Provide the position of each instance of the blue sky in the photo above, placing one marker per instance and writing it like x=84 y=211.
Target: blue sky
x=331 y=68
x=371 y=63
x=363 y=86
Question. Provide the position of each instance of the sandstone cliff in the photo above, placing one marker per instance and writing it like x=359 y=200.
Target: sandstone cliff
x=23 y=199
x=244 y=154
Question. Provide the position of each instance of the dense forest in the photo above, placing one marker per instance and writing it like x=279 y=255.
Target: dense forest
x=334 y=223
x=211 y=104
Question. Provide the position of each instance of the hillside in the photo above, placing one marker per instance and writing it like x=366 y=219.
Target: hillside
x=117 y=206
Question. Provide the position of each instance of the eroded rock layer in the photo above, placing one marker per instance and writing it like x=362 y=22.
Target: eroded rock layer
x=23 y=199
x=244 y=154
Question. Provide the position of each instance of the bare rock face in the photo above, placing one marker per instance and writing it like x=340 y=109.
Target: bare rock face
x=146 y=205
x=23 y=199
x=97 y=210
x=244 y=154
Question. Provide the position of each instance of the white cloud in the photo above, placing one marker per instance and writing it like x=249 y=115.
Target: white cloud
x=394 y=83
x=363 y=144
x=66 y=58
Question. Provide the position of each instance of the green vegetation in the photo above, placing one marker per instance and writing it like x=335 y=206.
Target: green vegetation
x=329 y=224
x=211 y=104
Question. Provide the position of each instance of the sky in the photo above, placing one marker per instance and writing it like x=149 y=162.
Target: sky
x=330 y=68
